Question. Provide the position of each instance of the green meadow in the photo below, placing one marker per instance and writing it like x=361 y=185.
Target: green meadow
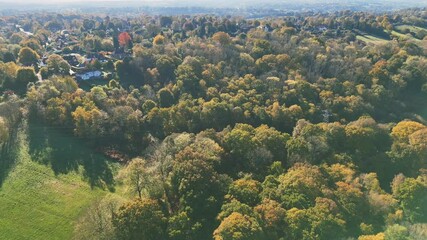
x=41 y=200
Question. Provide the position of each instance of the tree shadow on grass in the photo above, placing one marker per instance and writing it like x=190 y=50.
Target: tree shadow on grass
x=97 y=172
x=8 y=152
x=65 y=153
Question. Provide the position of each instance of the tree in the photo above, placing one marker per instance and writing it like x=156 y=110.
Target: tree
x=318 y=222
x=222 y=38
x=404 y=129
x=246 y=191
x=325 y=222
x=232 y=205
x=200 y=190
x=124 y=39
x=300 y=186
x=238 y=227
x=411 y=194
x=240 y=142
x=57 y=65
x=408 y=150
x=166 y=98
x=140 y=179
x=273 y=140
x=215 y=114
x=89 y=122
x=396 y=232
x=97 y=222
x=24 y=75
x=28 y=56
x=159 y=40
x=379 y=236
x=166 y=67
x=92 y=43
x=140 y=219
x=32 y=43
x=272 y=218
x=56 y=111
x=180 y=227
x=165 y=21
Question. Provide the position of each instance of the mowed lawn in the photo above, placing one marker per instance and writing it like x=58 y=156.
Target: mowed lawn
x=37 y=204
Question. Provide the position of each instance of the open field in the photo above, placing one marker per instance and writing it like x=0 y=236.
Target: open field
x=37 y=203
x=371 y=39
x=402 y=36
x=414 y=29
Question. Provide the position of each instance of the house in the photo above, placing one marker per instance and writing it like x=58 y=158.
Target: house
x=322 y=28
x=89 y=75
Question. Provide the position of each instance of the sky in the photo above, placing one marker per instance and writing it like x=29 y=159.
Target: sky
x=203 y=3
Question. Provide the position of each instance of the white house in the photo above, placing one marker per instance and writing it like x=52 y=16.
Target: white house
x=89 y=75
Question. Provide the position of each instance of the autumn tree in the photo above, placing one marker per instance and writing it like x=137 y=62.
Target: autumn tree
x=159 y=40
x=222 y=38
x=124 y=39
x=246 y=191
x=238 y=227
x=272 y=218
x=140 y=219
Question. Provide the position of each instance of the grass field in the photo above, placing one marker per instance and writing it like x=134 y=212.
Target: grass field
x=371 y=39
x=402 y=36
x=38 y=203
x=414 y=29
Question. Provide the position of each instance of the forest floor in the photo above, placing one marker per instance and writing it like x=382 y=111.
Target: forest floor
x=37 y=202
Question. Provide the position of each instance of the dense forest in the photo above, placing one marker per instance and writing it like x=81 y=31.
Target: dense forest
x=308 y=126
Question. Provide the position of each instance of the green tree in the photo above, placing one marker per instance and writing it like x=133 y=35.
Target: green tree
x=57 y=65
x=180 y=227
x=396 y=232
x=246 y=191
x=411 y=194
x=140 y=179
x=300 y=186
x=166 y=67
x=28 y=56
x=200 y=190
x=24 y=75
x=166 y=98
